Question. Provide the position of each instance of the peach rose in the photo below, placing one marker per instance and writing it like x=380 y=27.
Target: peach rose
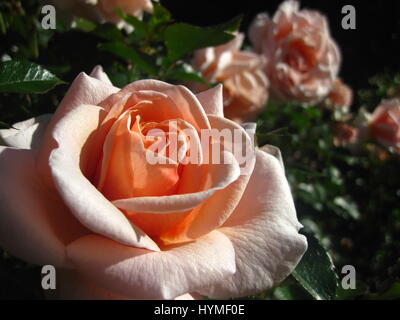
x=302 y=59
x=101 y=10
x=345 y=135
x=340 y=97
x=245 y=85
x=384 y=124
x=82 y=196
x=132 y=7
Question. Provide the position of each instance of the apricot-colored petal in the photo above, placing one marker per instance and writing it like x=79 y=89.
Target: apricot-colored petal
x=140 y=274
x=213 y=211
x=127 y=172
x=219 y=177
x=187 y=106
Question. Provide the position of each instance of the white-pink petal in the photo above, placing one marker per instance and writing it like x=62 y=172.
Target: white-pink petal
x=141 y=274
x=264 y=232
x=34 y=224
x=212 y=101
x=88 y=205
x=99 y=74
x=26 y=134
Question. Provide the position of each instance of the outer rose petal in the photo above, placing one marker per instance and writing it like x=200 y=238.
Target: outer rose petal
x=212 y=101
x=263 y=230
x=34 y=225
x=138 y=273
x=88 y=205
x=99 y=74
x=26 y=134
x=257 y=31
x=83 y=90
x=73 y=286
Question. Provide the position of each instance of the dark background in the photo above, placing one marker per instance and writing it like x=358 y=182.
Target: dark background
x=374 y=47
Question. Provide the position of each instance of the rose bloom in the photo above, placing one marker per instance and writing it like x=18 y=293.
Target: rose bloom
x=240 y=72
x=302 y=59
x=340 y=97
x=345 y=135
x=384 y=124
x=101 y=10
x=78 y=193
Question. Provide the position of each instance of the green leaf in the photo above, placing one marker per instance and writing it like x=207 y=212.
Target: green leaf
x=315 y=272
x=393 y=292
x=109 y=32
x=290 y=290
x=84 y=24
x=185 y=72
x=139 y=26
x=26 y=77
x=130 y=54
x=351 y=294
x=348 y=206
x=3 y=27
x=182 y=38
x=4 y=125
x=160 y=16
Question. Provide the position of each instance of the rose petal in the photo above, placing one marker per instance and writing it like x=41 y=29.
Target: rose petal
x=212 y=101
x=187 y=106
x=99 y=74
x=88 y=205
x=221 y=176
x=26 y=134
x=126 y=171
x=257 y=31
x=83 y=90
x=138 y=273
x=34 y=225
x=73 y=286
x=214 y=211
x=242 y=140
x=274 y=151
x=264 y=232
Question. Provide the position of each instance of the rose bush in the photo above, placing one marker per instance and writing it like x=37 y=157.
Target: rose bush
x=241 y=72
x=384 y=124
x=77 y=192
x=302 y=58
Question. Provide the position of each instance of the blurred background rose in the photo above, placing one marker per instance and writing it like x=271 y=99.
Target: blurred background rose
x=100 y=10
x=340 y=97
x=240 y=72
x=302 y=58
x=345 y=135
x=384 y=125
